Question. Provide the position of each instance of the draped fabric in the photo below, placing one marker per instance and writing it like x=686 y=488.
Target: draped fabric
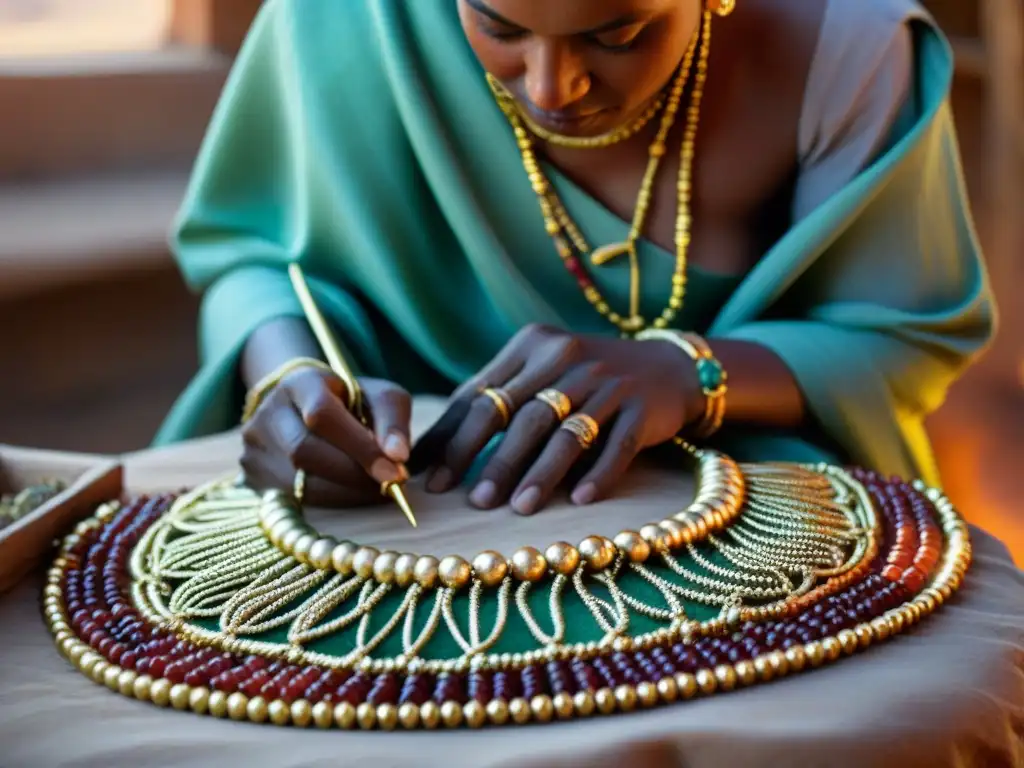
x=360 y=140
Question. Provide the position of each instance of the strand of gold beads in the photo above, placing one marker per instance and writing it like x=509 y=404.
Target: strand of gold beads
x=569 y=240
x=359 y=568
x=955 y=560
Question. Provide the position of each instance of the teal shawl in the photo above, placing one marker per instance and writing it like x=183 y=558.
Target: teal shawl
x=360 y=139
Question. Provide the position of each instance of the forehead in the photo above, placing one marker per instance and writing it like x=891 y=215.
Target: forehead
x=564 y=17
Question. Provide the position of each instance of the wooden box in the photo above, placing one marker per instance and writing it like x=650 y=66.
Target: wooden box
x=90 y=480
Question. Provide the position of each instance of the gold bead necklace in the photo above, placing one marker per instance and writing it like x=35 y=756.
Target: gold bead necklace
x=570 y=242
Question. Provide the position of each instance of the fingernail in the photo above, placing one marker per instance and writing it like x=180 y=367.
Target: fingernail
x=440 y=480
x=384 y=471
x=396 y=447
x=585 y=494
x=484 y=494
x=526 y=503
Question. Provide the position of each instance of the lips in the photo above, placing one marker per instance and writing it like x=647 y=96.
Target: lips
x=564 y=121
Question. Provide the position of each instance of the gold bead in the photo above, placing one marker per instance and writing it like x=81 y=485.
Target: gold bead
x=584 y=704
x=405 y=567
x=126 y=682
x=832 y=648
x=409 y=715
x=563 y=705
x=180 y=696
x=160 y=692
x=597 y=552
x=322 y=714
x=497 y=711
x=302 y=713
x=110 y=677
x=430 y=715
x=426 y=571
x=880 y=628
x=667 y=689
x=604 y=699
x=848 y=641
x=321 y=553
x=656 y=537
x=763 y=668
x=279 y=529
x=238 y=706
x=686 y=685
x=387 y=717
x=366 y=716
x=647 y=694
x=490 y=568
x=706 y=681
x=199 y=700
x=864 y=635
x=746 y=673
x=141 y=687
x=528 y=564
x=257 y=710
x=815 y=653
x=303 y=547
x=726 y=677
x=633 y=546
x=796 y=658
x=384 y=567
x=291 y=538
x=626 y=698
x=562 y=558
x=342 y=557
x=896 y=622
x=674 y=532
x=362 y=562
x=218 y=703
x=279 y=712
x=454 y=572
x=345 y=716
x=475 y=714
x=519 y=709
x=451 y=714
x=543 y=708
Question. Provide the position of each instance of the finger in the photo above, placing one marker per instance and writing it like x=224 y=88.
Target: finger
x=503 y=367
x=391 y=413
x=549 y=363
x=299 y=448
x=265 y=469
x=324 y=415
x=563 y=451
x=482 y=422
x=429 y=448
x=531 y=428
x=619 y=450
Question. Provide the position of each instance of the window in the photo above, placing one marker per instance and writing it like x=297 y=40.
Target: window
x=41 y=28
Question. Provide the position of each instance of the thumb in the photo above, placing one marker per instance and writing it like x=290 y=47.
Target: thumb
x=390 y=409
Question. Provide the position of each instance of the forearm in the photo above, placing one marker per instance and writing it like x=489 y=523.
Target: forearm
x=762 y=390
x=275 y=343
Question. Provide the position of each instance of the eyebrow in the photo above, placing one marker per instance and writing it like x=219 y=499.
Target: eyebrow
x=619 y=23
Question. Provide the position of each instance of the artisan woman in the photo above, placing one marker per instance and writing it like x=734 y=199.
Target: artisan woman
x=601 y=224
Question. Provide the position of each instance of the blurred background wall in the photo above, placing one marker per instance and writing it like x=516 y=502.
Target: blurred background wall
x=102 y=106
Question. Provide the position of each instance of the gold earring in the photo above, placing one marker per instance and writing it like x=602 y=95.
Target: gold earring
x=722 y=7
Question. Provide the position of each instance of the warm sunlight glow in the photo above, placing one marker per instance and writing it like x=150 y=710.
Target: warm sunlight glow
x=55 y=27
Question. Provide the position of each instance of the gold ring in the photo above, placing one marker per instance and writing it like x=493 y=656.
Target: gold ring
x=299 y=486
x=502 y=402
x=559 y=402
x=583 y=428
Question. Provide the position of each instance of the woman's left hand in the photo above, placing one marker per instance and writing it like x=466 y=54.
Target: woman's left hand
x=641 y=394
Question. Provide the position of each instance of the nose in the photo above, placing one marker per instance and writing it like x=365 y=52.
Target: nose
x=556 y=77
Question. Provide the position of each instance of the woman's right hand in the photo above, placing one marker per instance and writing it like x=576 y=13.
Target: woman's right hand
x=303 y=423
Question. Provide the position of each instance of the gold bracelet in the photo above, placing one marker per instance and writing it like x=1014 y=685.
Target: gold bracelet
x=710 y=374
x=258 y=393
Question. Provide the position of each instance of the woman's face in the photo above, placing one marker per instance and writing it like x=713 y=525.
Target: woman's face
x=581 y=67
